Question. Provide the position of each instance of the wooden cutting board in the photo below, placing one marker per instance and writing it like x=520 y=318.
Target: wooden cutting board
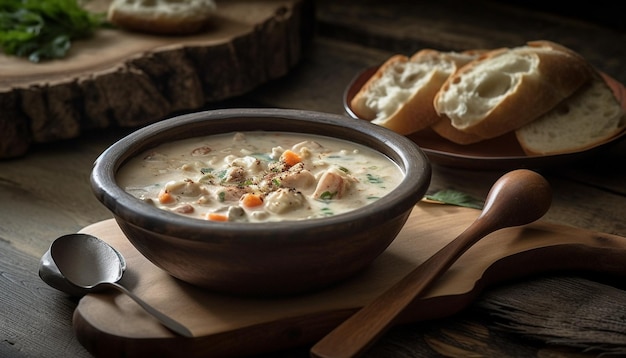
x=111 y=325
x=122 y=78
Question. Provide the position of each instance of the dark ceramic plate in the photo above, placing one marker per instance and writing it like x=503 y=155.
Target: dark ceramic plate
x=502 y=153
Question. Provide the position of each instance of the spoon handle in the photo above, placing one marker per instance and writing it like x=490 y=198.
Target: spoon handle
x=164 y=319
x=517 y=198
x=354 y=336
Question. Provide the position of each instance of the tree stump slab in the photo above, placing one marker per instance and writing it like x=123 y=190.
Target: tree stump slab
x=129 y=79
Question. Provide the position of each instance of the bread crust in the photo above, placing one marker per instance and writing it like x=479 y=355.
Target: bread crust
x=557 y=74
x=588 y=118
x=359 y=101
x=445 y=129
x=412 y=114
x=416 y=111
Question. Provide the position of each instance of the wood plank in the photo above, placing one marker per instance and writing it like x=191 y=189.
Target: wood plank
x=405 y=27
x=50 y=190
x=574 y=204
x=567 y=309
x=603 y=171
x=318 y=83
x=30 y=310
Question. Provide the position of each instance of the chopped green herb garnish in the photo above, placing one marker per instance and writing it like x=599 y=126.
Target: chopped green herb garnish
x=206 y=170
x=44 y=29
x=344 y=169
x=221 y=196
x=276 y=182
x=220 y=174
x=453 y=197
x=372 y=179
x=327 y=195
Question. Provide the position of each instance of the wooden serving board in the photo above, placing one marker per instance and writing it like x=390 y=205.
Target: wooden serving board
x=122 y=78
x=111 y=325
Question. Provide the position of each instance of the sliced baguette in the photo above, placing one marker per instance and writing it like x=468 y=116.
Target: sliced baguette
x=400 y=94
x=508 y=88
x=589 y=117
x=166 y=17
x=443 y=126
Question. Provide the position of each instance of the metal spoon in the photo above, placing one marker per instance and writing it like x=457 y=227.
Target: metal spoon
x=79 y=263
x=517 y=198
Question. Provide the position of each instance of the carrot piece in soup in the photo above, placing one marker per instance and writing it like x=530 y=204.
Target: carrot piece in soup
x=291 y=158
x=251 y=200
x=217 y=217
x=165 y=198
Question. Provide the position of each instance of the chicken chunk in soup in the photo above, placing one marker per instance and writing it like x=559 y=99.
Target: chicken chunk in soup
x=260 y=176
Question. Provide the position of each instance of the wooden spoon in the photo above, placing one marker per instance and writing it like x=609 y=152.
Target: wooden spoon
x=517 y=198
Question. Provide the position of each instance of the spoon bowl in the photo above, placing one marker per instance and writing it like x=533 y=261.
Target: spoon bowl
x=64 y=251
x=78 y=264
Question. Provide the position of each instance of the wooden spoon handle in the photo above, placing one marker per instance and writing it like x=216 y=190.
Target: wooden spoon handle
x=355 y=335
x=518 y=197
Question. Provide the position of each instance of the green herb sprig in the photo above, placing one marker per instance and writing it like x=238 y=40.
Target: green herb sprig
x=44 y=29
x=453 y=197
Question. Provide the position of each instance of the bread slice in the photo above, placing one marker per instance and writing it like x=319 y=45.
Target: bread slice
x=443 y=126
x=399 y=96
x=589 y=117
x=165 y=17
x=508 y=88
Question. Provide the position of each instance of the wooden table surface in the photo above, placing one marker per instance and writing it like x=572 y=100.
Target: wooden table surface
x=46 y=193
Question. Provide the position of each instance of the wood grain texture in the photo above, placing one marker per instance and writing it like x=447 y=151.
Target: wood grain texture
x=567 y=317
x=405 y=26
x=111 y=325
x=18 y=271
x=121 y=78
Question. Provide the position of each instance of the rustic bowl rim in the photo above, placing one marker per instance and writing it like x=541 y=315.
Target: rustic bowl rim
x=408 y=156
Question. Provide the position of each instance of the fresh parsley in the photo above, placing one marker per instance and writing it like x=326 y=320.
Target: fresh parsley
x=453 y=197
x=327 y=195
x=44 y=29
x=373 y=179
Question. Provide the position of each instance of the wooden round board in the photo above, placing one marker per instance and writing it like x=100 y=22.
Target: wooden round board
x=130 y=79
x=112 y=325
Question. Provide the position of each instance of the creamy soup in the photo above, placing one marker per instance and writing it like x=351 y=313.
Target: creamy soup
x=260 y=176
